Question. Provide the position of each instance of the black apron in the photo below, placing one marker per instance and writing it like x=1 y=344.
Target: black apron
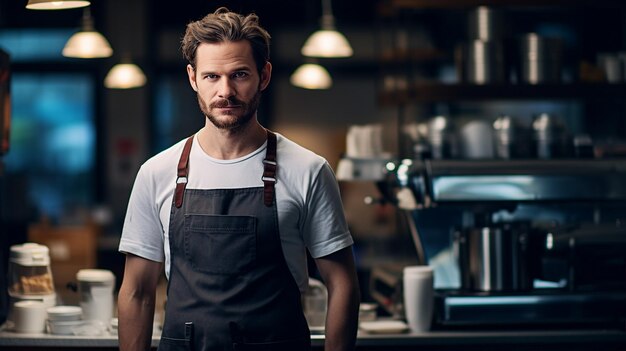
x=229 y=286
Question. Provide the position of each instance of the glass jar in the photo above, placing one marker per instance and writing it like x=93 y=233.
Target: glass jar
x=29 y=271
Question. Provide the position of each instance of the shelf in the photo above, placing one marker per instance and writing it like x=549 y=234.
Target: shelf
x=413 y=56
x=437 y=92
x=450 y=4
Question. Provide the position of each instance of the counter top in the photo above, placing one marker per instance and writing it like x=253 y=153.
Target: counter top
x=8 y=338
x=433 y=338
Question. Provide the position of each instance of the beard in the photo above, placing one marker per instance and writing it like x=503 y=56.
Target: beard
x=231 y=121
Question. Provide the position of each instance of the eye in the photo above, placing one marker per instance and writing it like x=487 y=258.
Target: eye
x=240 y=75
x=210 y=76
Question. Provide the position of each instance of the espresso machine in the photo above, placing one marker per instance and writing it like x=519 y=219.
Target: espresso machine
x=535 y=242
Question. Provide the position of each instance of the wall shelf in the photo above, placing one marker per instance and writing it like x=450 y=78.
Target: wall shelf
x=416 y=77
x=451 y=4
x=392 y=56
x=438 y=92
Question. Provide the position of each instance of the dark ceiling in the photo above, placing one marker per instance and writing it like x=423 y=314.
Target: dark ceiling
x=175 y=14
x=271 y=12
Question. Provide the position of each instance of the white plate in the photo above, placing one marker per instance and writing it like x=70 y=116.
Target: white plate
x=64 y=327
x=64 y=313
x=384 y=327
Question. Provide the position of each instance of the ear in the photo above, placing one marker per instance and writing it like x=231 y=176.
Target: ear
x=266 y=75
x=191 y=74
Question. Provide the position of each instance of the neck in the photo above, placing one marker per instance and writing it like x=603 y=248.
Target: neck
x=230 y=144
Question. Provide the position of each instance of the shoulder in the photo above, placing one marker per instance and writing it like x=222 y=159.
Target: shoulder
x=292 y=153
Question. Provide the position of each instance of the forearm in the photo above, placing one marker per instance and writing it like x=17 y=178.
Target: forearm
x=342 y=318
x=135 y=303
x=135 y=314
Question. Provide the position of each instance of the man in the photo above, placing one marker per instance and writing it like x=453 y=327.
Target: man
x=230 y=211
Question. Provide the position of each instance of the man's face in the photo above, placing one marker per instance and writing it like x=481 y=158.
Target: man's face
x=227 y=82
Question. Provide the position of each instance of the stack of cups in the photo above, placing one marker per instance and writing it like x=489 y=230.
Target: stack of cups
x=418 y=289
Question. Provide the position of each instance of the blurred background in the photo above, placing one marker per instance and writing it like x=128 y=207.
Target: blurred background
x=76 y=144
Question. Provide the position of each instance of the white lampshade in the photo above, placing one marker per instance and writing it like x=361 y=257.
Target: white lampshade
x=55 y=4
x=125 y=76
x=327 y=43
x=311 y=76
x=87 y=45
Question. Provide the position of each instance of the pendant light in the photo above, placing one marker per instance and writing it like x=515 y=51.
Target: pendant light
x=87 y=43
x=55 y=4
x=311 y=76
x=327 y=42
x=125 y=75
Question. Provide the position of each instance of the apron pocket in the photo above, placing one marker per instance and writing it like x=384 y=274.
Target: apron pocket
x=220 y=244
x=173 y=344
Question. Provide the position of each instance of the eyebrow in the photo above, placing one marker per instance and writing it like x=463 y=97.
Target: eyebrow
x=238 y=69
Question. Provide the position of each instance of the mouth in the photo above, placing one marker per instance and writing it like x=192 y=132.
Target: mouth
x=227 y=105
x=228 y=109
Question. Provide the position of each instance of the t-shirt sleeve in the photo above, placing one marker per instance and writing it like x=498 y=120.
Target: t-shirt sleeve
x=142 y=234
x=325 y=229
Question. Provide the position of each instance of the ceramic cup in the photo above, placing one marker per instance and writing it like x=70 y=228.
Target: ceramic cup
x=418 y=297
x=29 y=317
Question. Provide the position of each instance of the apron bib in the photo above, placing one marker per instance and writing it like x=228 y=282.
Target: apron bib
x=229 y=286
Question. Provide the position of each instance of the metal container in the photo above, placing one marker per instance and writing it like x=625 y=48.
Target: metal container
x=482 y=56
x=485 y=23
x=504 y=128
x=483 y=62
x=476 y=139
x=541 y=59
x=441 y=137
x=494 y=258
x=549 y=137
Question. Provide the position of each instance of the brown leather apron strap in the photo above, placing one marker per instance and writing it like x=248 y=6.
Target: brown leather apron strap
x=268 y=178
x=183 y=173
x=269 y=169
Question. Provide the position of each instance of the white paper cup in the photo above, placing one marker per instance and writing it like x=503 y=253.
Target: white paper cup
x=29 y=317
x=418 y=292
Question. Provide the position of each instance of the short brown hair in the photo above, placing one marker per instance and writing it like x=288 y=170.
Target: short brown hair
x=224 y=25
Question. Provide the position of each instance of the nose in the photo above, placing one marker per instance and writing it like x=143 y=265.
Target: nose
x=226 y=88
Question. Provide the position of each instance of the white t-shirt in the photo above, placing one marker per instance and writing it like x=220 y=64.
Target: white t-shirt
x=310 y=212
